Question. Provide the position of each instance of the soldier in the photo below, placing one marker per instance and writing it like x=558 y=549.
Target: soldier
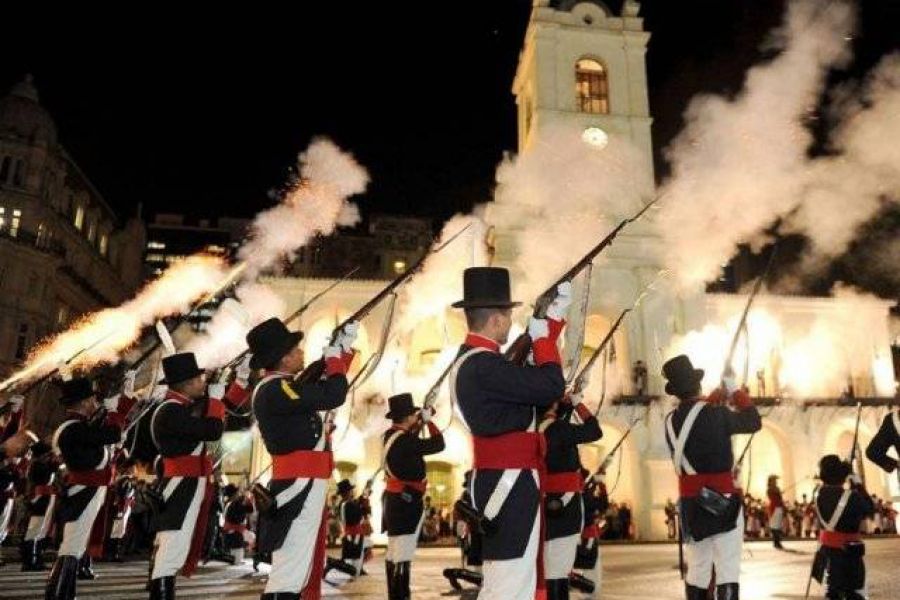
x=563 y=504
x=499 y=400
x=82 y=441
x=287 y=413
x=470 y=535
x=404 y=468
x=841 y=512
x=122 y=505
x=181 y=437
x=698 y=433
x=42 y=499
x=587 y=554
x=352 y=542
x=775 y=511
x=237 y=534
x=888 y=436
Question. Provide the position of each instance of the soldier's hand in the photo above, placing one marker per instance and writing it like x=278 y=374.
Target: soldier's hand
x=17 y=400
x=855 y=479
x=111 y=404
x=242 y=372
x=426 y=414
x=559 y=308
x=729 y=382
x=18 y=443
x=538 y=328
x=216 y=390
x=347 y=336
x=128 y=383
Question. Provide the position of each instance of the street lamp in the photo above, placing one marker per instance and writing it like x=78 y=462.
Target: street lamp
x=595 y=137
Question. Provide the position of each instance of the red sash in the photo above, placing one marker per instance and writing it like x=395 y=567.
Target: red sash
x=689 y=485
x=312 y=464
x=838 y=539
x=187 y=466
x=562 y=483
x=94 y=478
x=516 y=450
x=43 y=490
x=353 y=530
x=394 y=485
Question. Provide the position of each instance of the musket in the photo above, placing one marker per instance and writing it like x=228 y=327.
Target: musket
x=315 y=370
x=519 y=349
x=297 y=313
x=575 y=332
x=854 y=448
x=581 y=380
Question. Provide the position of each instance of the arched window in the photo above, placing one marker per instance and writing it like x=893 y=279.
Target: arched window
x=591 y=87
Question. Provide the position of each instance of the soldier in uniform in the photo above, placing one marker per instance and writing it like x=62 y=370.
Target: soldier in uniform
x=776 y=511
x=237 y=534
x=888 y=436
x=698 y=433
x=841 y=511
x=122 y=505
x=563 y=504
x=350 y=514
x=41 y=507
x=181 y=436
x=499 y=401
x=287 y=413
x=83 y=443
x=404 y=468
x=470 y=542
x=587 y=555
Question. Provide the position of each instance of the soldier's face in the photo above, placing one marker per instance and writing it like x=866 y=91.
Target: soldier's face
x=294 y=360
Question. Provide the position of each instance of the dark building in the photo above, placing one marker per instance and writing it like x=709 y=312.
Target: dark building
x=63 y=251
x=173 y=236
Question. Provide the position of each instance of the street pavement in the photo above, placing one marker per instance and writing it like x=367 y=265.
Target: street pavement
x=630 y=571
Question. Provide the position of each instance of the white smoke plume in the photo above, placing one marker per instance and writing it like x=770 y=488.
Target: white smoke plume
x=561 y=197
x=740 y=164
x=315 y=205
x=439 y=283
x=225 y=335
x=103 y=335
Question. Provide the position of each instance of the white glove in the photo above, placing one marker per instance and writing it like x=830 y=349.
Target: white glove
x=538 y=328
x=576 y=398
x=128 y=383
x=216 y=390
x=347 y=335
x=855 y=479
x=730 y=383
x=159 y=392
x=426 y=414
x=332 y=352
x=16 y=400
x=242 y=372
x=560 y=305
x=111 y=404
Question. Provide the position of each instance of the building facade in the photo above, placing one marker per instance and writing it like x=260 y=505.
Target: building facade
x=63 y=251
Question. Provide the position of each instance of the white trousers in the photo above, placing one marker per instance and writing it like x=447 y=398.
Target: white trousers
x=39 y=526
x=776 y=521
x=516 y=578
x=559 y=556
x=722 y=550
x=5 y=517
x=402 y=548
x=172 y=547
x=77 y=534
x=292 y=563
x=120 y=525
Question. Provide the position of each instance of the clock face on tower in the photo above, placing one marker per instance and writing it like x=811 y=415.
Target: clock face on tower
x=596 y=137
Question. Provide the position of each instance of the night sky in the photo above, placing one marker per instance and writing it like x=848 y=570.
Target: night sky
x=205 y=112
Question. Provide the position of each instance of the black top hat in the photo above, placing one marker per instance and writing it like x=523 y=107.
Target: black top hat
x=344 y=486
x=180 y=367
x=681 y=376
x=229 y=490
x=75 y=390
x=485 y=287
x=270 y=341
x=400 y=407
x=833 y=470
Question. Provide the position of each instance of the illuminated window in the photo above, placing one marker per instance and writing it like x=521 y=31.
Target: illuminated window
x=156 y=245
x=40 y=239
x=62 y=315
x=156 y=257
x=79 y=217
x=92 y=230
x=399 y=266
x=2 y=218
x=440 y=484
x=591 y=87
x=104 y=243
x=14 y=222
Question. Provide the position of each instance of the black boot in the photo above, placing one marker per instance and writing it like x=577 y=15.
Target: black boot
x=339 y=565
x=728 y=591
x=280 y=596
x=115 y=550
x=452 y=576
x=579 y=582
x=557 y=589
x=62 y=580
x=85 y=570
x=402 y=575
x=27 y=555
x=389 y=576
x=162 y=588
x=777 y=536
x=39 y=564
x=695 y=593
